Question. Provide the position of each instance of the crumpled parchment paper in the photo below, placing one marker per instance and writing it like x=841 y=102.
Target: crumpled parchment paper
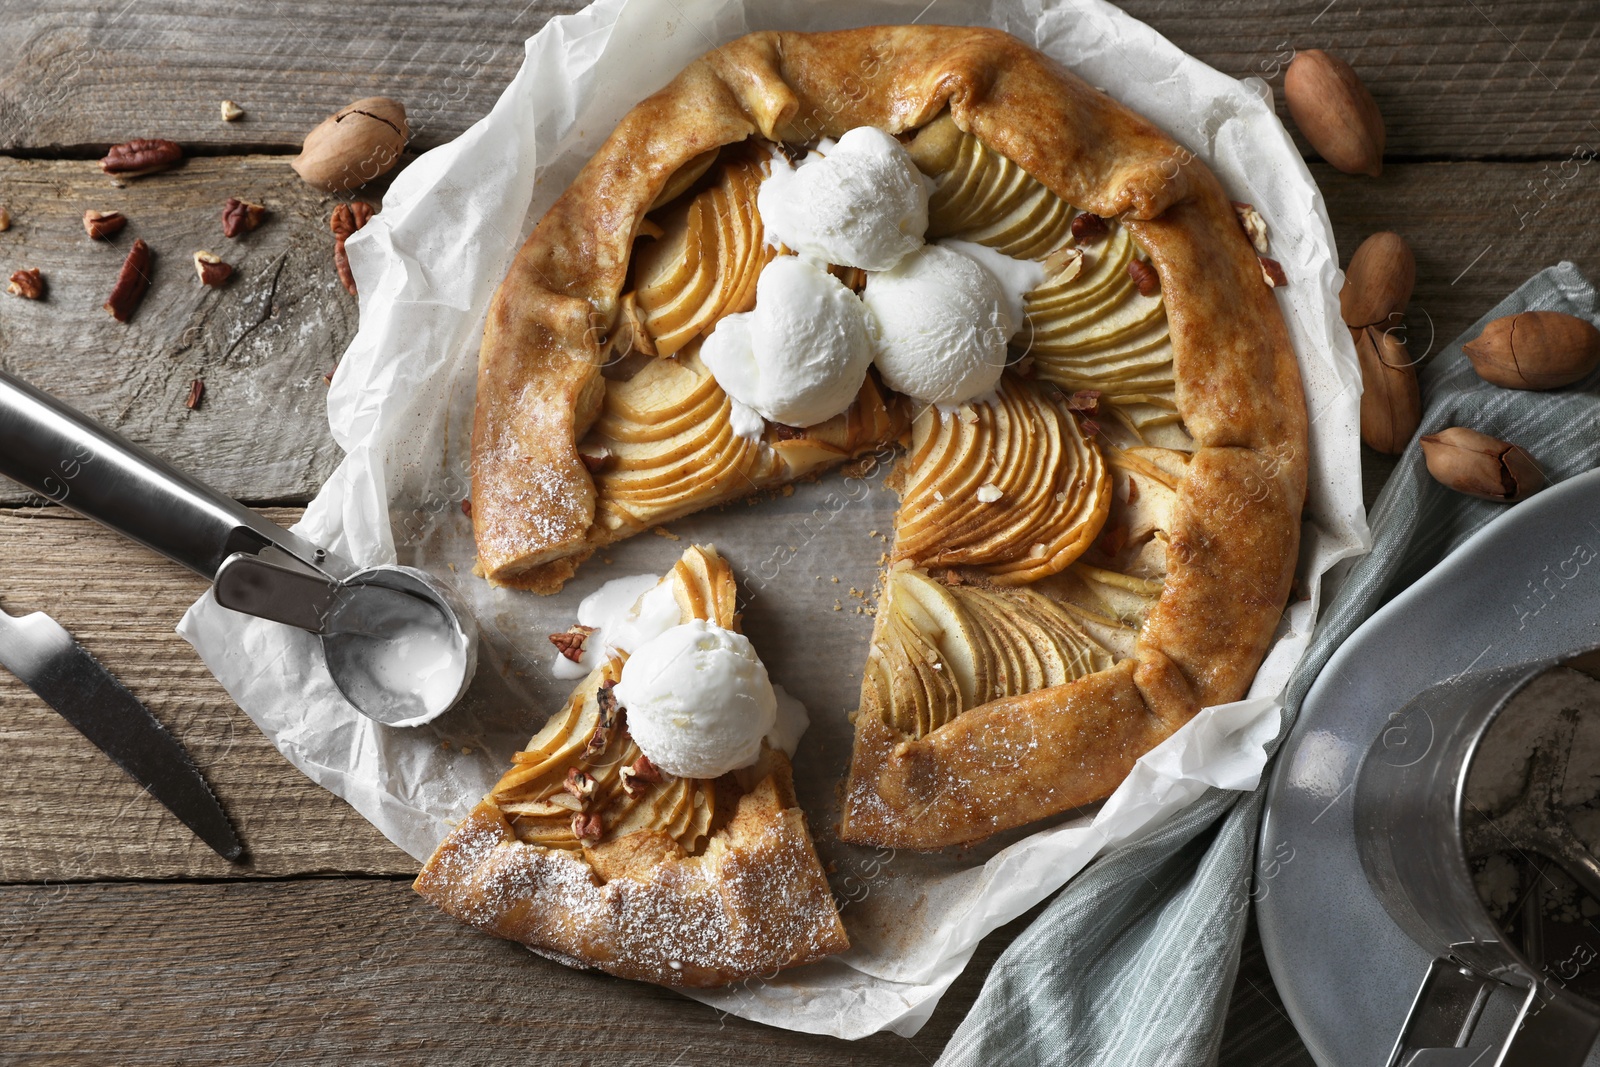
x=401 y=408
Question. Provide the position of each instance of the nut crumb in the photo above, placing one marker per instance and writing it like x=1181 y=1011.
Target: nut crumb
x=197 y=390
x=988 y=493
x=838 y=605
x=231 y=112
x=662 y=531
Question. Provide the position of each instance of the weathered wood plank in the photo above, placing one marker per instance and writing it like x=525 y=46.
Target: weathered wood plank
x=261 y=343
x=1489 y=79
x=355 y=972
x=68 y=812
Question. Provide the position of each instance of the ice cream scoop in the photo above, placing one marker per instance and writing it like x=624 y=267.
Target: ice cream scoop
x=698 y=700
x=863 y=203
x=939 y=323
x=799 y=358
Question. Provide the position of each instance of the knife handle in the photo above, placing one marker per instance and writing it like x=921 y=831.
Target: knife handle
x=68 y=458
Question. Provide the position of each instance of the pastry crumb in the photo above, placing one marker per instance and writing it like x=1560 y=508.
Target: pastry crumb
x=662 y=531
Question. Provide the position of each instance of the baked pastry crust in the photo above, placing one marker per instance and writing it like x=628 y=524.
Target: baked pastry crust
x=752 y=899
x=1233 y=541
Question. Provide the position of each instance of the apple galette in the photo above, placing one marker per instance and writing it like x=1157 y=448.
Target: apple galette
x=935 y=238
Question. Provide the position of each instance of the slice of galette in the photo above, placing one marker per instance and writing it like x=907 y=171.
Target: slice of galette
x=589 y=852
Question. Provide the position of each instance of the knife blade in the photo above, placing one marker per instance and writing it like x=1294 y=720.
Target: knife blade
x=49 y=661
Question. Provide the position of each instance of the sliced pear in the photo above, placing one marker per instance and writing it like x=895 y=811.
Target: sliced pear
x=1010 y=485
x=706 y=262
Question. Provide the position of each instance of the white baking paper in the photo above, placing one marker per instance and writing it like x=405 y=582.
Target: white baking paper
x=401 y=409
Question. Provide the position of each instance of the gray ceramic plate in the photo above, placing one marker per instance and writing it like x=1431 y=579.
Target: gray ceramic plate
x=1522 y=591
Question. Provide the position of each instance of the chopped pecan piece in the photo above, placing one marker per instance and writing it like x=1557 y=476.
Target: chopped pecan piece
x=1255 y=227
x=5 y=220
x=132 y=282
x=346 y=220
x=578 y=783
x=27 y=283
x=638 y=774
x=595 y=458
x=103 y=224
x=1086 y=401
x=240 y=216
x=586 y=826
x=212 y=270
x=197 y=389
x=1089 y=229
x=781 y=432
x=611 y=715
x=146 y=156
x=1272 y=273
x=570 y=642
x=466 y=501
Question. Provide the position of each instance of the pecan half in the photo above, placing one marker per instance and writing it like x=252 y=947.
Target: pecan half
x=346 y=220
x=240 y=216
x=134 y=158
x=1089 y=229
x=1272 y=272
x=197 y=389
x=586 y=827
x=212 y=270
x=132 y=282
x=27 y=283
x=103 y=224
x=570 y=642
x=1145 y=277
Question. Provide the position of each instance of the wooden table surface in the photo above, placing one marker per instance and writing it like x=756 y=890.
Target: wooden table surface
x=121 y=936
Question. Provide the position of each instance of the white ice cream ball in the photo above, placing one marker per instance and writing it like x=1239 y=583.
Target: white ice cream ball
x=800 y=357
x=939 y=325
x=863 y=204
x=698 y=700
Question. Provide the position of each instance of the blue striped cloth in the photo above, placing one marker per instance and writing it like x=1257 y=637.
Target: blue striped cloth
x=1134 y=961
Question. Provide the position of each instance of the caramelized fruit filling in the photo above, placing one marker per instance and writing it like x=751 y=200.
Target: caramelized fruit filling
x=582 y=771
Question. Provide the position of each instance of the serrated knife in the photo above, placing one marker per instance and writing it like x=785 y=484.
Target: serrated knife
x=48 y=660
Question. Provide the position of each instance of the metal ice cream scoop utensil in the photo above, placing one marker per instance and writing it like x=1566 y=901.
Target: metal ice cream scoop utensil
x=398 y=643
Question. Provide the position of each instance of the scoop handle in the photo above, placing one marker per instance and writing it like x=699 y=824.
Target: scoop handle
x=68 y=458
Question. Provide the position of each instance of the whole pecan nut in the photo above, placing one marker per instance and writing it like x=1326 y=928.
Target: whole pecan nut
x=240 y=216
x=27 y=283
x=134 y=158
x=132 y=282
x=101 y=225
x=346 y=220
